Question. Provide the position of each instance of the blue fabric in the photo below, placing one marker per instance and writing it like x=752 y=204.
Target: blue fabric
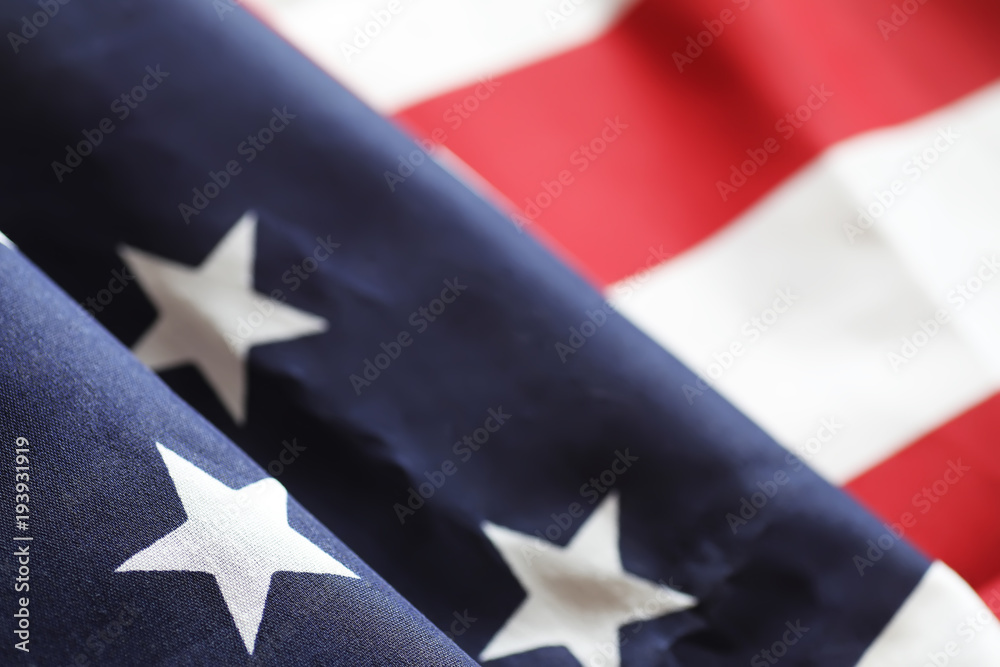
x=497 y=347
x=99 y=492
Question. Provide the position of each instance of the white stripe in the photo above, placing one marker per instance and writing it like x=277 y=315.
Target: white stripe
x=428 y=47
x=943 y=622
x=827 y=357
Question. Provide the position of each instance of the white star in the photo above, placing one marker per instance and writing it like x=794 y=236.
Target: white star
x=578 y=595
x=211 y=316
x=242 y=537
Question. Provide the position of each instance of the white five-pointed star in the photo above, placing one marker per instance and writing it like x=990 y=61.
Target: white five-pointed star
x=578 y=595
x=210 y=315
x=240 y=536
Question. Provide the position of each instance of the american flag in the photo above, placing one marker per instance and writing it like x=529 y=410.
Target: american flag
x=778 y=219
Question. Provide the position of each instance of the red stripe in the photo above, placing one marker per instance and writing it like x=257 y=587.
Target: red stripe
x=954 y=518
x=656 y=184
x=990 y=592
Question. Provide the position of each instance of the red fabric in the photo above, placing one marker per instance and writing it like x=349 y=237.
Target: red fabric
x=958 y=526
x=656 y=185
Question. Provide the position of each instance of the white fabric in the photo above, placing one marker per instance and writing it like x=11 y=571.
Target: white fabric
x=858 y=295
x=943 y=622
x=241 y=537
x=428 y=47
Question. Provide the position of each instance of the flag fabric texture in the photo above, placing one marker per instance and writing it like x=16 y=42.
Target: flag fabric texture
x=140 y=535
x=841 y=151
x=472 y=418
